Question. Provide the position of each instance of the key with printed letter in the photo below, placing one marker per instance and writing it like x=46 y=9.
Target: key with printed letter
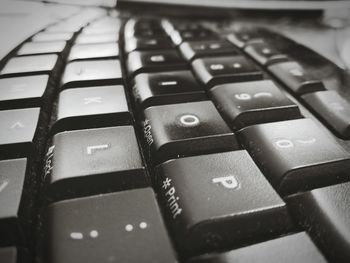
x=296 y=155
x=218 y=200
x=119 y=227
x=185 y=129
x=247 y=103
x=94 y=161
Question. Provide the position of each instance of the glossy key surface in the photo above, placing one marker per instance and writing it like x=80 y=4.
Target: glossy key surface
x=93 y=51
x=33 y=48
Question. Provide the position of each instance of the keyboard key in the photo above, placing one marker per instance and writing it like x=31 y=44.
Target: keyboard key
x=91 y=108
x=97 y=38
x=143 y=28
x=46 y=37
x=22 y=92
x=148 y=61
x=194 y=49
x=118 y=227
x=13 y=202
x=17 y=132
x=94 y=51
x=241 y=38
x=40 y=64
x=287 y=249
x=295 y=77
x=91 y=73
x=216 y=201
x=248 y=103
x=36 y=48
x=132 y=44
x=166 y=88
x=94 y=161
x=325 y=214
x=9 y=255
x=218 y=70
x=184 y=129
x=179 y=36
x=296 y=155
x=333 y=109
x=264 y=53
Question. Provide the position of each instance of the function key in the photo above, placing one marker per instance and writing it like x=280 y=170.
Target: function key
x=324 y=212
x=97 y=38
x=118 y=227
x=333 y=109
x=217 y=201
x=94 y=51
x=46 y=37
x=36 y=48
x=179 y=36
x=296 y=155
x=39 y=64
x=166 y=88
x=94 y=161
x=264 y=53
x=148 y=61
x=248 y=103
x=292 y=248
x=22 y=92
x=17 y=132
x=91 y=73
x=296 y=78
x=13 y=203
x=185 y=129
x=218 y=70
x=133 y=43
x=241 y=38
x=91 y=108
x=195 y=49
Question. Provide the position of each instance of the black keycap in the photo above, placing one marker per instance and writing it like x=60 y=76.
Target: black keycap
x=92 y=73
x=143 y=31
x=166 y=88
x=296 y=78
x=287 y=249
x=14 y=202
x=133 y=43
x=9 y=255
x=325 y=214
x=91 y=108
x=94 y=51
x=247 y=103
x=148 y=61
x=93 y=161
x=218 y=200
x=45 y=37
x=39 y=64
x=185 y=129
x=218 y=70
x=97 y=38
x=333 y=109
x=196 y=49
x=118 y=227
x=179 y=36
x=264 y=53
x=17 y=132
x=296 y=155
x=36 y=48
x=241 y=38
x=23 y=92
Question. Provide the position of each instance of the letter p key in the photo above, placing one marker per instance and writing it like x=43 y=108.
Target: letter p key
x=229 y=182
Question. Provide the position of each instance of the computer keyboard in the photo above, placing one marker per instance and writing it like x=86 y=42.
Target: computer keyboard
x=158 y=139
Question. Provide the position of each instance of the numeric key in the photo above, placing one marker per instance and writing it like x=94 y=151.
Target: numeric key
x=185 y=129
x=218 y=70
x=296 y=155
x=247 y=103
x=216 y=201
x=118 y=227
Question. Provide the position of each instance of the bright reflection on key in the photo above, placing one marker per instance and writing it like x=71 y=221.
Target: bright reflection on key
x=93 y=234
x=237 y=65
x=143 y=225
x=129 y=227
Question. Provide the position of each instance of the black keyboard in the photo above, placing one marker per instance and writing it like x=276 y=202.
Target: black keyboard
x=157 y=139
